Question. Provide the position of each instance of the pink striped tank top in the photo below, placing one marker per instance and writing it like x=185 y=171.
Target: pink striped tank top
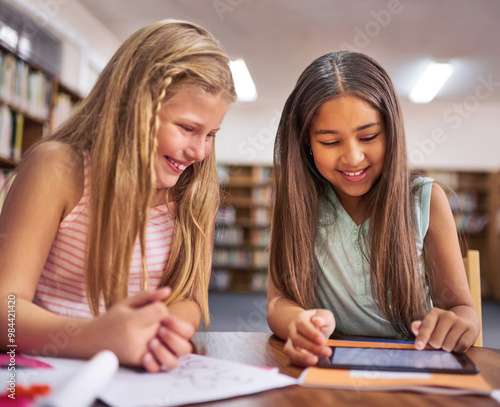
x=61 y=288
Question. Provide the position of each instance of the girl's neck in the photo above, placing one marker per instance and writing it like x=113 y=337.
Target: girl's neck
x=159 y=197
x=354 y=207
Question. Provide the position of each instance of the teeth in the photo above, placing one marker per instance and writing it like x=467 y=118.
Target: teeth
x=352 y=174
x=177 y=165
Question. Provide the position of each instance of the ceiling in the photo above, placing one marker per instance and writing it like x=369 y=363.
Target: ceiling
x=279 y=38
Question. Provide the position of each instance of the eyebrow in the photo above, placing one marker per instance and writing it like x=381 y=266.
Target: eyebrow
x=198 y=125
x=326 y=131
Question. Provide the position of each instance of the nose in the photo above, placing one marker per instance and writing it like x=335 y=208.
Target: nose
x=353 y=154
x=197 y=149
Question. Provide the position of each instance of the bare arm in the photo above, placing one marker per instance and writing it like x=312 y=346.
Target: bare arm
x=306 y=332
x=453 y=324
x=187 y=310
x=46 y=189
x=281 y=312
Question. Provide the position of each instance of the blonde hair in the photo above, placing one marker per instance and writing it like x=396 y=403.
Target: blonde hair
x=117 y=124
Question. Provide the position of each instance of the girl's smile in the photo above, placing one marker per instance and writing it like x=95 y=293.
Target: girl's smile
x=355 y=176
x=347 y=138
x=189 y=121
x=178 y=166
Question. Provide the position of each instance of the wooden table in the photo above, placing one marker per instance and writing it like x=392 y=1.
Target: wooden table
x=264 y=349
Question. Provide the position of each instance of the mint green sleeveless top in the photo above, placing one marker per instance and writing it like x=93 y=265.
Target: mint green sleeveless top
x=343 y=271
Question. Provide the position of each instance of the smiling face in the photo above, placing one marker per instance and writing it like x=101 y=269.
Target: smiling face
x=189 y=121
x=348 y=142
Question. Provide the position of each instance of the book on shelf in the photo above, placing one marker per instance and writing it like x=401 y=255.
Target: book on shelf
x=260 y=237
x=228 y=235
x=259 y=281
x=261 y=174
x=6 y=179
x=18 y=137
x=232 y=258
x=63 y=107
x=260 y=259
x=6 y=129
x=24 y=88
x=226 y=215
x=220 y=280
x=11 y=133
x=260 y=216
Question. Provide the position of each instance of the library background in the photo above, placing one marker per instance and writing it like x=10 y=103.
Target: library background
x=34 y=101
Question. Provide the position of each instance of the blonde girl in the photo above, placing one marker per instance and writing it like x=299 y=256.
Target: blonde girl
x=359 y=243
x=119 y=201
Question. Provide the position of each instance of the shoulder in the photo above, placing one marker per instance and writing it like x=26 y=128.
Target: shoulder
x=438 y=197
x=419 y=182
x=45 y=155
x=53 y=169
x=440 y=210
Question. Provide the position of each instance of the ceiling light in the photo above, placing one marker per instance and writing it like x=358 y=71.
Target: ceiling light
x=245 y=88
x=431 y=81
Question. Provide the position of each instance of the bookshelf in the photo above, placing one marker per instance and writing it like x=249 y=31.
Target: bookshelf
x=32 y=100
x=475 y=203
x=32 y=103
x=242 y=229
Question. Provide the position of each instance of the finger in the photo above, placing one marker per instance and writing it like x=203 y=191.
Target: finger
x=178 y=345
x=325 y=321
x=178 y=325
x=152 y=313
x=452 y=338
x=426 y=330
x=326 y=351
x=415 y=327
x=299 y=356
x=299 y=341
x=308 y=330
x=148 y=297
x=150 y=364
x=466 y=341
x=165 y=359
x=443 y=327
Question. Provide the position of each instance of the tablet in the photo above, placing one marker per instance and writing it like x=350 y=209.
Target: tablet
x=402 y=360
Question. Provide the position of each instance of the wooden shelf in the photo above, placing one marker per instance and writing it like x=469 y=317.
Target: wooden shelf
x=28 y=102
x=240 y=257
x=479 y=194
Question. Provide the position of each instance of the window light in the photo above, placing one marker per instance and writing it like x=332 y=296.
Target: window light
x=432 y=80
x=245 y=88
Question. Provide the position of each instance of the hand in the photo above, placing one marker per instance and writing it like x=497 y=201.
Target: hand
x=308 y=335
x=128 y=327
x=444 y=329
x=170 y=343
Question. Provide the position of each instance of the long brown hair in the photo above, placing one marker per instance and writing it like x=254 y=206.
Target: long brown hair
x=117 y=124
x=397 y=283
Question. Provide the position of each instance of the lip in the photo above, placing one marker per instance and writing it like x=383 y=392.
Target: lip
x=175 y=169
x=355 y=178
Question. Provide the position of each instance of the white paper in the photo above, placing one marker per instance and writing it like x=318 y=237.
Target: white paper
x=495 y=394
x=83 y=387
x=197 y=379
x=377 y=374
